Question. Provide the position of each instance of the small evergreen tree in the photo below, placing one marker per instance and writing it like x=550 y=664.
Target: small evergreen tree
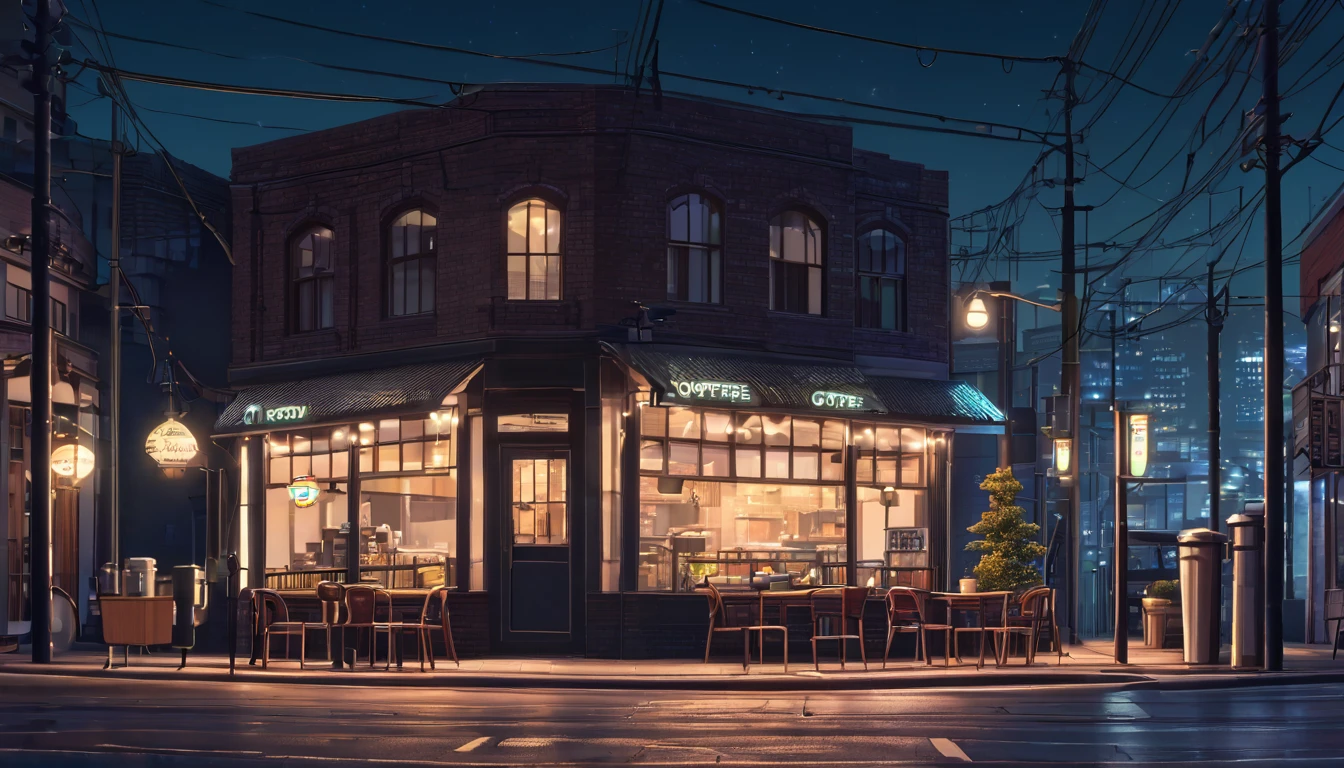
x=1010 y=544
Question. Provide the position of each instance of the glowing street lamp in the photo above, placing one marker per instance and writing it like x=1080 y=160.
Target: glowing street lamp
x=1063 y=455
x=977 y=314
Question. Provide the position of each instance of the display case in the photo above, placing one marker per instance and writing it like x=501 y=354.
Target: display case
x=907 y=548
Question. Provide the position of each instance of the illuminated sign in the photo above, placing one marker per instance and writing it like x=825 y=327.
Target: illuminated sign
x=722 y=391
x=303 y=491
x=171 y=445
x=72 y=461
x=283 y=414
x=1138 y=444
x=841 y=400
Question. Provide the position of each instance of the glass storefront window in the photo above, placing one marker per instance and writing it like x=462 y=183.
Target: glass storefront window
x=743 y=444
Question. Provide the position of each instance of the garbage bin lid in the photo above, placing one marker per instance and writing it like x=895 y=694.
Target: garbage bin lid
x=1200 y=536
x=1244 y=519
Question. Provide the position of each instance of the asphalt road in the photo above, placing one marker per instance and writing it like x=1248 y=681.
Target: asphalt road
x=53 y=721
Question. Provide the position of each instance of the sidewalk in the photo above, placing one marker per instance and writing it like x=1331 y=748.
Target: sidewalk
x=1087 y=664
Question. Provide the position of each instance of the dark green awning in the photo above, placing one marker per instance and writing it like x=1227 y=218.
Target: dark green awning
x=935 y=400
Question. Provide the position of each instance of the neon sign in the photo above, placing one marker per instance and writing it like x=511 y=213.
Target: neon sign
x=281 y=414
x=1138 y=444
x=840 y=400
x=722 y=391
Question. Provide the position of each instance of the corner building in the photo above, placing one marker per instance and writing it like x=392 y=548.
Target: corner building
x=457 y=324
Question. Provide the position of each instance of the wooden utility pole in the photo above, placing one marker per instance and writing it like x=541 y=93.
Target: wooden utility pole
x=1274 y=476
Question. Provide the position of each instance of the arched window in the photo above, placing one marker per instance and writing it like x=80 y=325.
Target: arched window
x=534 y=251
x=881 y=270
x=410 y=264
x=314 y=283
x=694 y=264
x=795 y=263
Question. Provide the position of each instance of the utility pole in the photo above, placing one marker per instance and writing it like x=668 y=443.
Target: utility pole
x=114 y=351
x=40 y=455
x=1274 y=487
x=1071 y=382
x=1007 y=351
x=1215 y=321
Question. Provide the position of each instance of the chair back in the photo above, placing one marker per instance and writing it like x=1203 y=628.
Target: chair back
x=905 y=605
x=362 y=603
x=846 y=602
x=1334 y=604
x=330 y=597
x=1035 y=603
x=435 y=610
x=268 y=607
x=739 y=614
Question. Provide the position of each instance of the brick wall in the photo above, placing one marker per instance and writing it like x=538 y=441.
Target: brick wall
x=611 y=162
x=1323 y=254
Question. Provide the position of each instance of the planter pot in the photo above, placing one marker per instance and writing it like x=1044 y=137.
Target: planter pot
x=968 y=586
x=1150 y=603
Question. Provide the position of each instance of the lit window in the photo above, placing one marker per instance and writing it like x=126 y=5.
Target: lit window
x=795 y=264
x=534 y=251
x=694 y=261
x=410 y=264
x=313 y=279
x=881 y=268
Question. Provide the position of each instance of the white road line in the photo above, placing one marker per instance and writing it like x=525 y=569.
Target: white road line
x=947 y=748
x=473 y=744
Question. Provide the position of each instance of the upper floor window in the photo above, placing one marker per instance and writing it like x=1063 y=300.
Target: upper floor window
x=881 y=268
x=18 y=303
x=795 y=263
x=534 y=251
x=314 y=282
x=410 y=264
x=694 y=263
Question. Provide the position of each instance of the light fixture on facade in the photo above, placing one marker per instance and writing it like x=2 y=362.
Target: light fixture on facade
x=72 y=461
x=642 y=397
x=1063 y=454
x=171 y=445
x=890 y=498
x=977 y=314
x=303 y=491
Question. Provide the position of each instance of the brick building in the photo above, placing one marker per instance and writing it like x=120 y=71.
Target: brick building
x=576 y=349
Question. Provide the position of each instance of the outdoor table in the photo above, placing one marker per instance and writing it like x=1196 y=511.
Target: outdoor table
x=973 y=603
x=782 y=598
x=406 y=594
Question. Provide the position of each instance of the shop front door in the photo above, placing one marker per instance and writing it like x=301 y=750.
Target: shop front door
x=536 y=543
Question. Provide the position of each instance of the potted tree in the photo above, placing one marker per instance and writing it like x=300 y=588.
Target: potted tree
x=1158 y=610
x=1009 y=544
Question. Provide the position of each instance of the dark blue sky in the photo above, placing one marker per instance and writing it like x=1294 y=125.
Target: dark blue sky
x=704 y=41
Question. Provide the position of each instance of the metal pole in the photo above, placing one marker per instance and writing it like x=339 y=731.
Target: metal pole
x=1070 y=327
x=1006 y=349
x=114 y=354
x=1269 y=56
x=1121 y=554
x=1215 y=321
x=40 y=530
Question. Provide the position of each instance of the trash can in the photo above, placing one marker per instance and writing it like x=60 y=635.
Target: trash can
x=1248 y=544
x=189 y=604
x=1201 y=555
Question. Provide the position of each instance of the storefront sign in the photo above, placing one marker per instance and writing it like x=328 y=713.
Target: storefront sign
x=283 y=414
x=840 y=400
x=1138 y=444
x=72 y=461
x=171 y=445
x=303 y=491
x=723 y=391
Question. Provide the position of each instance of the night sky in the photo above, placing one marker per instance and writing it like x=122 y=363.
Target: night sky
x=699 y=40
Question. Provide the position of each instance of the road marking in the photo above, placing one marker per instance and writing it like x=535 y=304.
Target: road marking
x=473 y=744
x=529 y=742
x=947 y=748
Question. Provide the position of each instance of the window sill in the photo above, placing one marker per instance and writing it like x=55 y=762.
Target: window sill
x=882 y=331
x=417 y=318
x=781 y=313
x=535 y=302
x=312 y=334
x=696 y=306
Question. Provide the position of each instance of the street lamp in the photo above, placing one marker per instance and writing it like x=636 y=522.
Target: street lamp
x=977 y=314
x=1063 y=455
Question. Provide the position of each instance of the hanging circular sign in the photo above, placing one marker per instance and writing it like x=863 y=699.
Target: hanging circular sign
x=171 y=445
x=72 y=461
x=303 y=491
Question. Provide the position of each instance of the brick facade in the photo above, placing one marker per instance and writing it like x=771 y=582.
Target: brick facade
x=611 y=162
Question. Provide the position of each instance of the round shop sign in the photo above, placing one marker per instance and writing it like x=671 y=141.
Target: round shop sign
x=72 y=461
x=171 y=445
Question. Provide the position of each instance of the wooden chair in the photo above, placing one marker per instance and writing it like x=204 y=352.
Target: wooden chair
x=270 y=616
x=993 y=618
x=842 y=604
x=1334 y=611
x=433 y=615
x=907 y=612
x=1041 y=615
x=330 y=597
x=362 y=607
x=1027 y=623
x=744 y=618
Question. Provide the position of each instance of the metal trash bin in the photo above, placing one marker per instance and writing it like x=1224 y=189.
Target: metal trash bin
x=190 y=597
x=1201 y=556
x=1248 y=544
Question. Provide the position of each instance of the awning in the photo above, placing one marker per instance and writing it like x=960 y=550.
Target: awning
x=324 y=399
x=934 y=400
x=697 y=376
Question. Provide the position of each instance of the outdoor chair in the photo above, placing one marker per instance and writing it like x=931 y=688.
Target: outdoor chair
x=433 y=615
x=993 y=618
x=1027 y=623
x=742 y=617
x=362 y=611
x=907 y=612
x=270 y=616
x=330 y=596
x=1334 y=611
x=838 y=604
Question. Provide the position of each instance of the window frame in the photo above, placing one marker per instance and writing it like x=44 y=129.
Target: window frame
x=321 y=281
x=781 y=266
x=527 y=255
x=868 y=313
x=679 y=289
x=423 y=261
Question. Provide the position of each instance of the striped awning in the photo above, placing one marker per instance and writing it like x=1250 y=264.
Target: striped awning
x=362 y=394
x=955 y=402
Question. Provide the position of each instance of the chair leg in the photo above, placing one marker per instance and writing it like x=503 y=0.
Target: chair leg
x=786 y=649
x=746 y=650
x=265 y=648
x=1335 y=653
x=709 y=638
x=429 y=647
x=920 y=646
x=1059 y=647
x=949 y=637
x=815 y=663
x=448 y=636
x=891 y=632
x=303 y=643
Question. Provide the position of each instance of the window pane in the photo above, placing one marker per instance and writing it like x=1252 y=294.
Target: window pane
x=683 y=458
x=683 y=423
x=322 y=465
x=715 y=461
x=412 y=288
x=674 y=282
x=912 y=470
x=536 y=227
x=833 y=435
x=399 y=289
x=677 y=220
x=518 y=228
x=440 y=454
x=806 y=465
x=389 y=430
x=412 y=429
x=912 y=439
x=328 y=303
x=301 y=444
x=653 y=422
x=398 y=238
x=814 y=291
x=748 y=429
x=301 y=465
x=552 y=230
x=776 y=430
x=863 y=470
x=888 y=439
x=517 y=277
x=366 y=459
x=651 y=456
x=715 y=268
x=886 y=471
x=777 y=464
x=774 y=239
x=553 y=278
x=426 y=285
x=806 y=433
x=698 y=268
x=306 y=314
x=280 y=470
x=698 y=229
x=748 y=462
x=714 y=225
x=389 y=458
x=793 y=242
x=889 y=304
x=718 y=426
x=340 y=464
x=536 y=277
x=832 y=466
